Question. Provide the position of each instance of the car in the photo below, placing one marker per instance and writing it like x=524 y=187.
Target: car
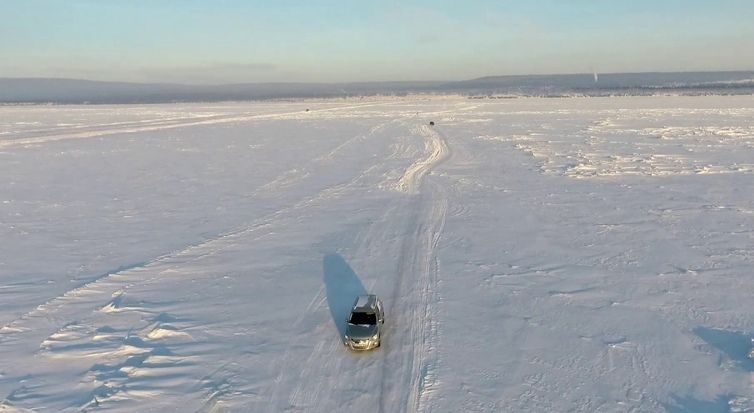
x=365 y=323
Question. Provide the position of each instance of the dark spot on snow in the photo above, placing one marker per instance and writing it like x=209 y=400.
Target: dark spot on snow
x=692 y=405
x=135 y=341
x=569 y=292
x=165 y=318
x=735 y=345
x=612 y=341
x=343 y=286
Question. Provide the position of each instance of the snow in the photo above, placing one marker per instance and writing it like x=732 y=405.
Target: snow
x=582 y=254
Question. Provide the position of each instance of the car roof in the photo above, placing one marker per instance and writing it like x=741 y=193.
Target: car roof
x=365 y=302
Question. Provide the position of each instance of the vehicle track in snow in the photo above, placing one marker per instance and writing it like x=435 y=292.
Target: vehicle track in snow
x=50 y=323
x=290 y=177
x=408 y=368
x=399 y=375
x=53 y=135
x=59 y=323
x=415 y=291
x=62 y=323
x=328 y=355
x=437 y=149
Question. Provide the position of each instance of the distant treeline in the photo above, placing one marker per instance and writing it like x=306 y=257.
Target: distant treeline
x=45 y=90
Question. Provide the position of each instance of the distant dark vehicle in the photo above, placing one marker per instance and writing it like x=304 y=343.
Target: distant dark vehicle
x=364 y=324
x=431 y=123
x=307 y=109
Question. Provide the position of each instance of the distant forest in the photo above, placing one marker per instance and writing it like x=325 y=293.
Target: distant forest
x=72 y=91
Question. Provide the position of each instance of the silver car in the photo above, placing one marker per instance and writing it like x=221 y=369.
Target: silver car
x=364 y=324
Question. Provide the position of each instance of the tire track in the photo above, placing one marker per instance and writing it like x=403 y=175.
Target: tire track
x=167 y=124
x=413 y=342
x=427 y=374
x=295 y=175
x=238 y=231
x=319 y=298
x=414 y=293
x=104 y=293
x=302 y=397
x=403 y=368
x=438 y=151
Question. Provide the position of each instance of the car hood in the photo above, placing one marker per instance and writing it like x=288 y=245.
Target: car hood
x=361 y=331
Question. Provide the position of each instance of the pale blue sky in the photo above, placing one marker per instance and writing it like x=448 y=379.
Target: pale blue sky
x=223 y=41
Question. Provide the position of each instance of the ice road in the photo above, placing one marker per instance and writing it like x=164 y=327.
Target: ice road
x=542 y=255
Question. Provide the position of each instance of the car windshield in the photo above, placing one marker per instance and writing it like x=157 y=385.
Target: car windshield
x=363 y=318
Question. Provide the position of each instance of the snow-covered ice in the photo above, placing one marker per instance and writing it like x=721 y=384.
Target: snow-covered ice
x=582 y=254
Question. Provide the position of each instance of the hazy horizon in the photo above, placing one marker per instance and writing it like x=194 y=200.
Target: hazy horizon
x=201 y=42
x=415 y=81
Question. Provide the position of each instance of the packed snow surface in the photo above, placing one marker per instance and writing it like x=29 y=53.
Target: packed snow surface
x=542 y=255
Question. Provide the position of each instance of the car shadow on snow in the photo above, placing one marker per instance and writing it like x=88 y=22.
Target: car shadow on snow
x=692 y=405
x=733 y=349
x=735 y=345
x=343 y=286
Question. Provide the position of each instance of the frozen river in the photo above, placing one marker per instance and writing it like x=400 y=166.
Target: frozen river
x=581 y=254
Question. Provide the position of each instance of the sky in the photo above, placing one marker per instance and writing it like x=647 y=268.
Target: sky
x=233 y=41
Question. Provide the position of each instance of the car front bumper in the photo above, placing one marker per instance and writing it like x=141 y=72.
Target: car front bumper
x=366 y=344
